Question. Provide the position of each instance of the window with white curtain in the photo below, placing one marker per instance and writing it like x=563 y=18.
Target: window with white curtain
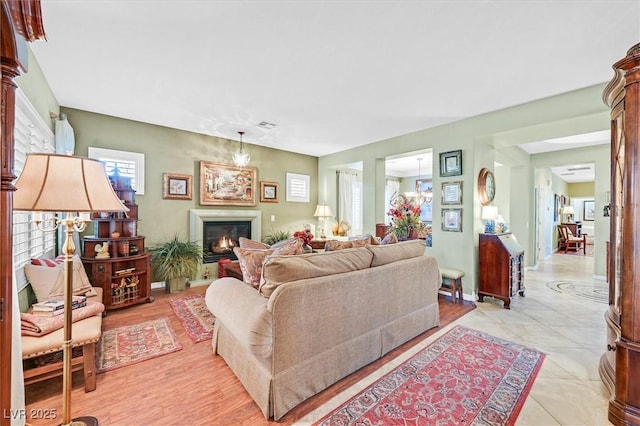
x=350 y=200
x=31 y=134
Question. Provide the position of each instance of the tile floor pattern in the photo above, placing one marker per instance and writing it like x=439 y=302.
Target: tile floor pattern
x=569 y=329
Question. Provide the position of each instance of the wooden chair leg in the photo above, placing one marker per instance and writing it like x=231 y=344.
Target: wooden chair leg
x=89 y=360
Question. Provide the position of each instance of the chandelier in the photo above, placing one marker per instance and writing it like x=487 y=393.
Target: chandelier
x=241 y=157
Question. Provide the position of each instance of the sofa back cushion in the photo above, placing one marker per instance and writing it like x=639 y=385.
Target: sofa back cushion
x=279 y=269
x=388 y=253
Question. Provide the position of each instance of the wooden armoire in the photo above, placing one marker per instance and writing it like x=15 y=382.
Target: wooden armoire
x=620 y=364
x=20 y=22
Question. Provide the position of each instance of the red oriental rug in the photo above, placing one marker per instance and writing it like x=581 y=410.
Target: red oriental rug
x=194 y=316
x=464 y=377
x=134 y=343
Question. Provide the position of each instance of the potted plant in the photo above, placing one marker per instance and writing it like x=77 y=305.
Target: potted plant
x=276 y=236
x=175 y=262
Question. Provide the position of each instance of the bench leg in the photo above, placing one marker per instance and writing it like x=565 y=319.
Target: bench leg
x=456 y=287
x=89 y=359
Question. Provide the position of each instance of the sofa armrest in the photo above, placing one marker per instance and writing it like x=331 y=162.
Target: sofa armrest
x=242 y=311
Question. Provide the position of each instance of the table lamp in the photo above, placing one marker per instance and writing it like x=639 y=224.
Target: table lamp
x=65 y=183
x=322 y=213
x=489 y=214
x=568 y=210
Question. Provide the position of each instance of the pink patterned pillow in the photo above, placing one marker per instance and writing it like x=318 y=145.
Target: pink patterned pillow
x=43 y=261
x=294 y=246
x=251 y=244
x=390 y=238
x=250 y=261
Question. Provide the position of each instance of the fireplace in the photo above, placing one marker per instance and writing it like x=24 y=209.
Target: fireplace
x=220 y=237
x=219 y=230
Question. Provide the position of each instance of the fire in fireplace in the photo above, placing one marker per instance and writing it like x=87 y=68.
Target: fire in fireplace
x=220 y=237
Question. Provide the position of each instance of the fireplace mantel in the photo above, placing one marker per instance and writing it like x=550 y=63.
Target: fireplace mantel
x=198 y=216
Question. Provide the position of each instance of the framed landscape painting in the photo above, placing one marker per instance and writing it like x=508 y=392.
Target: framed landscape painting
x=227 y=185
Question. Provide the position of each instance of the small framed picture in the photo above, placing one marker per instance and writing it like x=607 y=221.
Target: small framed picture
x=268 y=192
x=176 y=186
x=452 y=193
x=452 y=220
x=451 y=163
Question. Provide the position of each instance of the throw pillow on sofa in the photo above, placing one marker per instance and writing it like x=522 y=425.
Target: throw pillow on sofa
x=251 y=244
x=333 y=245
x=251 y=260
x=48 y=282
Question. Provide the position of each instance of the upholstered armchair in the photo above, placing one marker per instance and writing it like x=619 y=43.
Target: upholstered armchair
x=566 y=240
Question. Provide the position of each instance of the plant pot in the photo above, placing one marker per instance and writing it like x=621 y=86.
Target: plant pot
x=175 y=285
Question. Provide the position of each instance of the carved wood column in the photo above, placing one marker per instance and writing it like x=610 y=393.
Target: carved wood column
x=18 y=18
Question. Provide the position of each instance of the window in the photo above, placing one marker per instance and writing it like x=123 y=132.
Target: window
x=31 y=134
x=129 y=164
x=298 y=188
x=356 y=209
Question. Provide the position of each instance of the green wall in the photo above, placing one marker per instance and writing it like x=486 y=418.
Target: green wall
x=484 y=140
x=169 y=150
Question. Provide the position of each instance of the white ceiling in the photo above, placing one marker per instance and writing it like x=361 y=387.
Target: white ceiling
x=330 y=75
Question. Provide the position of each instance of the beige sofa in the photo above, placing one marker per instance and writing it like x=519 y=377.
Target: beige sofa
x=318 y=317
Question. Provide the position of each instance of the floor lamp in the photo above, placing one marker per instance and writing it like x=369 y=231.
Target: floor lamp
x=73 y=185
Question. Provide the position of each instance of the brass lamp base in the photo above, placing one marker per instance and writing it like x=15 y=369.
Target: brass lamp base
x=84 y=421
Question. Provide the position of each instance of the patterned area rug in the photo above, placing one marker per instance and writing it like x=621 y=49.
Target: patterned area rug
x=194 y=316
x=598 y=292
x=464 y=377
x=134 y=343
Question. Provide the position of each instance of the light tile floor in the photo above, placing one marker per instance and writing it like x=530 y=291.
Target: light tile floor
x=569 y=329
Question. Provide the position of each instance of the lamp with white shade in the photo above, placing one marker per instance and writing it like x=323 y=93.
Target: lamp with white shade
x=323 y=212
x=489 y=215
x=569 y=212
x=74 y=185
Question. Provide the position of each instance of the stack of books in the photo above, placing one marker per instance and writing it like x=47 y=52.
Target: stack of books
x=55 y=306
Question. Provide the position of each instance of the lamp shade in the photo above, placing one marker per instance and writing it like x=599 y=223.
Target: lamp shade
x=322 y=210
x=568 y=210
x=489 y=213
x=64 y=183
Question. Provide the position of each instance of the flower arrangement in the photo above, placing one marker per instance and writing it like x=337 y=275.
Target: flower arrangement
x=306 y=236
x=405 y=215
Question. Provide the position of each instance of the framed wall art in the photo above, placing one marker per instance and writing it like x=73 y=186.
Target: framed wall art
x=589 y=210
x=176 y=186
x=451 y=163
x=452 y=220
x=227 y=185
x=268 y=192
x=298 y=187
x=452 y=193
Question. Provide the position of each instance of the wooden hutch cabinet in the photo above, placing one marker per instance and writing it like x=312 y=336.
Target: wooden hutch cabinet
x=114 y=257
x=501 y=267
x=620 y=364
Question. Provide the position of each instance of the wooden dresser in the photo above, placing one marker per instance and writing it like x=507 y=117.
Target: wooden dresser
x=501 y=267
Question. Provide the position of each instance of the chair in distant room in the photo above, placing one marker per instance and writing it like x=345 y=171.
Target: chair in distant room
x=568 y=241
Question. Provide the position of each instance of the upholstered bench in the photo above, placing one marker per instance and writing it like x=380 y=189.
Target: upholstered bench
x=85 y=333
x=454 y=278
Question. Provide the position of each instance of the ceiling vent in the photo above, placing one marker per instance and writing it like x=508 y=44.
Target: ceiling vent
x=573 y=169
x=266 y=125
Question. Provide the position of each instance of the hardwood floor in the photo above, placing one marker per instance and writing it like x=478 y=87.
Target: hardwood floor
x=190 y=386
